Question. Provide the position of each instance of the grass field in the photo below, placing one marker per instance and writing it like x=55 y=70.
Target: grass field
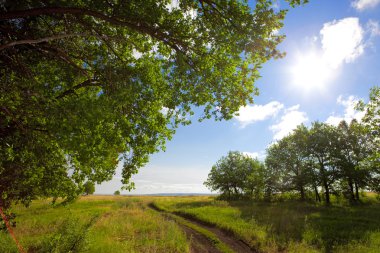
x=103 y=224
x=127 y=224
x=288 y=226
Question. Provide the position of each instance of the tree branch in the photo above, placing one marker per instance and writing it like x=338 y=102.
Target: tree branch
x=36 y=41
x=139 y=26
x=62 y=10
x=87 y=83
x=56 y=52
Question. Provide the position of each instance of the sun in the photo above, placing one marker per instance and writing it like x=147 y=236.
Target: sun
x=310 y=72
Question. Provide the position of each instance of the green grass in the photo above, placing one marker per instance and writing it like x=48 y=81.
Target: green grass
x=289 y=226
x=126 y=224
x=119 y=224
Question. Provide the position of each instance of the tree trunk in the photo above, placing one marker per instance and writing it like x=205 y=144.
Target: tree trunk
x=317 y=197
x=236 y=191
x=350 y=184
x=327 y=192
x=357 y=191
x=302 y=192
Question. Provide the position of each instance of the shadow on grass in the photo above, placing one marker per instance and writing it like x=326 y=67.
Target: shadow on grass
x=321 y=226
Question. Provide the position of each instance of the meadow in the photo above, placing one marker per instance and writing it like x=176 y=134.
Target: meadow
x=130 y=224
x=94 y=224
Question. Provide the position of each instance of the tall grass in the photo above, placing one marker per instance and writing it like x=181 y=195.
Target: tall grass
x=289 y=226
x=94 y=224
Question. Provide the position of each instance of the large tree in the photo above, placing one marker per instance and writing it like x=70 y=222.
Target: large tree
x=353 y=150
x=290 y=159
x=83 y=82
x=371 y=121
x=322 y=148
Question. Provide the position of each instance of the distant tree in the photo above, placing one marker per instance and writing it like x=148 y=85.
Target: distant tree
x=117 y=192
x=89 y=188
x=234 y=175
x=83 y=82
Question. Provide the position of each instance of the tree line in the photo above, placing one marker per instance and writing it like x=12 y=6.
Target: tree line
x=313 y=162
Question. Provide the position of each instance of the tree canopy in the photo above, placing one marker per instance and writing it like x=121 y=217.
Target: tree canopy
x=331 y=159
x=89 y=188
x=235 y=175
x=86 y=84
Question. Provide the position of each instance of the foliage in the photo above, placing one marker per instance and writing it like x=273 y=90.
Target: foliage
x=354 y=148
x=83 y=82
x=89 y=188
x=371 y=121
x=323 y=157
x=10 y=218
x=235 y=175
x=117 y=192
x=287 y=166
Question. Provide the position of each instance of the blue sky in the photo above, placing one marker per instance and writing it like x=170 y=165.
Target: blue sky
x=333 y=58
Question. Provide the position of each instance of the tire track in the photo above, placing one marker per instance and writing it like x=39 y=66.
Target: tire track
x=200 y=243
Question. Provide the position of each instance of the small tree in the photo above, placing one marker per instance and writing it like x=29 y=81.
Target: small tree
x=116 y=193
x=232 y=176
x=89 y=188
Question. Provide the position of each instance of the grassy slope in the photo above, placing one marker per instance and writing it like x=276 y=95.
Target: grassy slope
x=121 y=224
x=289 y=226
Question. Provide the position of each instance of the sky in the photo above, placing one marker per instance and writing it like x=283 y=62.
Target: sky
x=332 y=60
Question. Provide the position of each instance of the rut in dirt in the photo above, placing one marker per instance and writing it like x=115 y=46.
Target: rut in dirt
x=201 y=244
x=230 y=240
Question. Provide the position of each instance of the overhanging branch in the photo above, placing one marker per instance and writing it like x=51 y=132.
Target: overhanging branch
x=36 y=41
x=87 y=83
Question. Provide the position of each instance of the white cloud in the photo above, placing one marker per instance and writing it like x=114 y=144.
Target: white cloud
x=251 y=113
x=349 y=111
x=289 y=121
x=361 y=5
x=160 y=179
x=342 y=41
x=256 y=155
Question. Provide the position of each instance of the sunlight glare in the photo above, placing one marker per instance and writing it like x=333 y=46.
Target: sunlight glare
x=310 y=72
